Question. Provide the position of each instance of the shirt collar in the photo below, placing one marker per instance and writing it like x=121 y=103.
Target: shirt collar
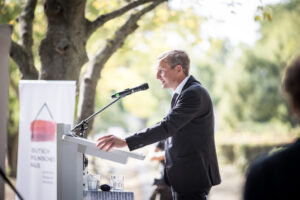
x=181 y=85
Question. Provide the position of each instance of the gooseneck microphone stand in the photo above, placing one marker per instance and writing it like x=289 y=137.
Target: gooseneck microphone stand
x=10 y=184
x=83 y=125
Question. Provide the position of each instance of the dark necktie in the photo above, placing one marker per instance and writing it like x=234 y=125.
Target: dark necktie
x=174 y=99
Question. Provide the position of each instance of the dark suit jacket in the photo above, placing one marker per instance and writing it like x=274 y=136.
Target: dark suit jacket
x=275 y=177
x=190 y=154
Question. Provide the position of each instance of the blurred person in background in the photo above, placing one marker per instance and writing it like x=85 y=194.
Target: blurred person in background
x=191 y=166
x=162 y=189
x=277 y=177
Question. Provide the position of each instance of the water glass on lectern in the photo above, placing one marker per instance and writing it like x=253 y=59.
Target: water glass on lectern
x=93 y=182
x=117 y=182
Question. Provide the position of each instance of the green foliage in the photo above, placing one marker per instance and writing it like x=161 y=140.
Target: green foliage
x=244 y=82
x=9 y=11
x=263 y=13
x=261 y=93
x=13 y=103
x=253 y=85
x=135 y=64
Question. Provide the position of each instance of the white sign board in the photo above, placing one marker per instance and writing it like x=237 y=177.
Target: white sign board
x=43 y=104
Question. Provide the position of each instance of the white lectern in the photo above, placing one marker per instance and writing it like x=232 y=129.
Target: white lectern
x=70 y=152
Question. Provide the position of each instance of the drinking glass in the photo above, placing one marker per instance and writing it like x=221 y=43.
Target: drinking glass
x=117 y=182
x=93 y=182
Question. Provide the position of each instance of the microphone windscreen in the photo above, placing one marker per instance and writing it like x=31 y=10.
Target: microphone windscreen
x=105 y=187
x=145 y=86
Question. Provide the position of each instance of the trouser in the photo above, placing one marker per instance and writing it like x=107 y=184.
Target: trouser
x=164 y=193
x=193 y=196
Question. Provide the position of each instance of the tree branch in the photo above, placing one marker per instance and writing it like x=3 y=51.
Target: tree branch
x=20 y=56
x=121 y=34
x=26 y=36
x=93 y=26
x=92 y=75
x=25 y=24
x=14 y=87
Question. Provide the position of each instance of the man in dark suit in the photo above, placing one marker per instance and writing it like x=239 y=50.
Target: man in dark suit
x=191 y=166
x=277 y=177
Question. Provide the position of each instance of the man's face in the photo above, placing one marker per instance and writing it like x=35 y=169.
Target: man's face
x=166 y=75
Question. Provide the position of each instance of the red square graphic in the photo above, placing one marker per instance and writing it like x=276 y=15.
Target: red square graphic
x=42 y=130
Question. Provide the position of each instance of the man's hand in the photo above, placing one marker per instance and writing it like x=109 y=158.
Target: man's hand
x=109 y=141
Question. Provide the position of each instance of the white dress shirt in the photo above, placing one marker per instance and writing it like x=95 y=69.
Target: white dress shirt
x=181 y=85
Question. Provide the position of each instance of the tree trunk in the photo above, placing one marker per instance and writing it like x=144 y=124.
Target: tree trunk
x=12 y=154
x=63 y=51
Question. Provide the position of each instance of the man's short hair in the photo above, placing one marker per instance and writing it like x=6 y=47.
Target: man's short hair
x=177 y=57
x=292 y=81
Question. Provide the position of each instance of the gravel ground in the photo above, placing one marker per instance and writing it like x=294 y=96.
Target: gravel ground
x=231 y=186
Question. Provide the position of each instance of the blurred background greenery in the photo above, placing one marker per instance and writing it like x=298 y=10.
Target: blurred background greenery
x=243 y=78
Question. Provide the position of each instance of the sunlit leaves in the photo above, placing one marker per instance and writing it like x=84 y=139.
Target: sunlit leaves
x=281 y=37
x=94 y=8
x=267 y=16
x=263 y=13
x=257 y=18
x=9 y=12
x=262 y=69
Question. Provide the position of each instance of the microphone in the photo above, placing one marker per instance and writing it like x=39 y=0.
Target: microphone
x=130 y=91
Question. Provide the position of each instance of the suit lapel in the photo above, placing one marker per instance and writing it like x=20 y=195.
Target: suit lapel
x=187 y=84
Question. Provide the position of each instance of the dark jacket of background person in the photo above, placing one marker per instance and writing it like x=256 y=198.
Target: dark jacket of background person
x=190 y=157
x=278 y=176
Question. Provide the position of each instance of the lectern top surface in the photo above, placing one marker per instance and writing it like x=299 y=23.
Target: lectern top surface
x=92 y=144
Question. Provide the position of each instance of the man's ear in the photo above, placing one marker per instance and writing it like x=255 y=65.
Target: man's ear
x=179 y=68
